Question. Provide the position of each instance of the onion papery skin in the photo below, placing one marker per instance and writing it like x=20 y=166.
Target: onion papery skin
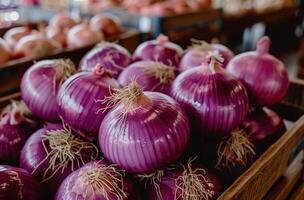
x=35 y=160
x=195 y=57
x=5 y=52
x=39 y=90
x=263 y=127
x=160 y=50
x=13 y=35
x=168 y=184
x=13 y=137
x=264 y=76
x=147 y=138
x=62 y=20
x=216 y=102
x=17 y=184
x=82 y=35
x=77 y=101
x=109 y=26
x=75 y=188
x=112 y=57
x=146 y=80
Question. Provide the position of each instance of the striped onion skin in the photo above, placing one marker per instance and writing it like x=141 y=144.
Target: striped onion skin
x=39 y=87
x=215 y=101
x=77 y=101
x=147 y=138
x=17 y=183
x=264 y=76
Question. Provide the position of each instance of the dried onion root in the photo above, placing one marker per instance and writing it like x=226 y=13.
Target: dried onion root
x=234 y=148
x=64 y=69
x=64 y=151
x=164 y=73
x=200 y=45
x=153 y=179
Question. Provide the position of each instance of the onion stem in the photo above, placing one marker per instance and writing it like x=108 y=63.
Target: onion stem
x=263 y=45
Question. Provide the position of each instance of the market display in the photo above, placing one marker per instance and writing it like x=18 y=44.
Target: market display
x=125 y=122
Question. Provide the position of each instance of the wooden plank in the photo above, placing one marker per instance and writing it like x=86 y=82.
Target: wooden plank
x=287 y=182
x=299 y=193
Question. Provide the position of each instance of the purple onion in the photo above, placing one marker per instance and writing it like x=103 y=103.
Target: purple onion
x=144 y=132
x=17 y=184
x=111 y=56
x=40 y=84
x=199 y=53
x=263 y=127
x=149 y=75
x=264 y=76
x=215 y=101
x=96 y=180
x=78 y=100
x=53 y=152
x=160 y=50
x=15 y=127
x=191 y=182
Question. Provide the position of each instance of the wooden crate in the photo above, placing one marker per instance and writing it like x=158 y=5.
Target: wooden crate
x=269 y=167
x=203 y=24
x=270 y=173
x=11 y=73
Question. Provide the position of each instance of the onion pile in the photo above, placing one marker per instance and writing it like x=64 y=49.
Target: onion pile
x=199 y=52
x=62 y=20
x=16 y=125
x=78 y=100
x=56 y=34
x=17 y=183
x=53 y=152
x=144 y=132
x=216 y=101
x=112 y=57
x=264 y=76
x=160 y=50
x=13 y=35
x=149 y=75
x=82 y=35
x=109 y=26
x=40 y=84
x=5 y=51
x=96 y=180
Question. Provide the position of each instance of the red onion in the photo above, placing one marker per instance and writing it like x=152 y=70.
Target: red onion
x=82 y=35
x=263 y=127
x=96 y=180
x=62 y=20
x=150 y=76
x=15 y=127
x=5 y=52
x=40 y=84
x=190 y=182
x=264 y=76
x=17 y=183
x=161 y=50
x=78 y=100
x=53 y=152
x=144 y=132
x=56 y=34
x=111 y=56
x=216 y=101
x=13 y=35
x=109 y=26
x=35 y=46
x=199 y=53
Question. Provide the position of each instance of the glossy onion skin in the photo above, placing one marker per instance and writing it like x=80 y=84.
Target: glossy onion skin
x=17 y=184
x=73 y=188
x=264 y=127
x=264 y=76
x=13 y=137
x=167 y=53
x=77 y=102
x=216 y=102
x=195 y=57
x=146 y=139
x=37 y=90
x=168 y=186
x=112 y=57
x=146 y=81
x=33 y=159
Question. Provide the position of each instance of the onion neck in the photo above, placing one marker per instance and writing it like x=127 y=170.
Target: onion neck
x=263 y=45
x=162 y=39
x=100 y=71
x=200 y=45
